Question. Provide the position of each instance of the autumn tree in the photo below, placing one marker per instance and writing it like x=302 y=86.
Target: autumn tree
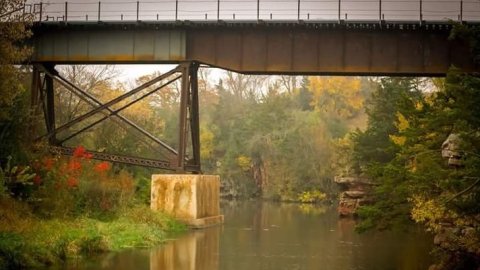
x=14 y=29
x=277 y=142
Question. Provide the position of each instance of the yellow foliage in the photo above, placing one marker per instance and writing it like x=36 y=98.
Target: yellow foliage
x=312 y=196
x=341 y=94
x=402 y=122
x=419 y=106
x=244 y=162
x=428 y=211
x=206 y=143
x=398 y=140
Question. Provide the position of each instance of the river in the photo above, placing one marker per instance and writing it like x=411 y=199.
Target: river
x=274 y=236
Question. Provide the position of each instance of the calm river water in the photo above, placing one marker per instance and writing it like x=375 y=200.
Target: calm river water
x=273 y=236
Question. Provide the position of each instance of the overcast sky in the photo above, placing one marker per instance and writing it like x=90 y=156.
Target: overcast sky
x=408 y=10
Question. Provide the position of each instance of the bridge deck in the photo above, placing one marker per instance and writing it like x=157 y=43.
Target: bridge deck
x=280 y=47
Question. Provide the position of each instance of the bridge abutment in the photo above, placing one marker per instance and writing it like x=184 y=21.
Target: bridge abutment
x=191 y=198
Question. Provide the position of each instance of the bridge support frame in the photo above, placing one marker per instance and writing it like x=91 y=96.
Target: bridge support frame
x=43 y=93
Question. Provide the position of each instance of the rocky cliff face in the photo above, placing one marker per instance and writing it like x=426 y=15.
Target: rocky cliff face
x=355 y=192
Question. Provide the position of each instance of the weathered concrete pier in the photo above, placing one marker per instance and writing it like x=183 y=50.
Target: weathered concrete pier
x=191 y=198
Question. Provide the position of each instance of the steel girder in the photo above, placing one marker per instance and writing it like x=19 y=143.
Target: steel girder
x=179 y=160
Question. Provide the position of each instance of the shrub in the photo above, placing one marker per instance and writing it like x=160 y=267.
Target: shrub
x=15 y=180
x=78 y=185
x=314 y=196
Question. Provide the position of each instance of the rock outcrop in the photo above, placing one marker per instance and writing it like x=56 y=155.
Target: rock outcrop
x=355 y=192
x=451 y=150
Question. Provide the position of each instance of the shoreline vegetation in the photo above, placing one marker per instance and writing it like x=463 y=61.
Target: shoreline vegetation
x=59 y=208
x=27 y=241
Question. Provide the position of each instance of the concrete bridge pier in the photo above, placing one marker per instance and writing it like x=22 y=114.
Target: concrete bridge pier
x=191 y=198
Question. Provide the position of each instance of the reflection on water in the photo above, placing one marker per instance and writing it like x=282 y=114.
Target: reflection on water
x=196 y=250
x=271 y=236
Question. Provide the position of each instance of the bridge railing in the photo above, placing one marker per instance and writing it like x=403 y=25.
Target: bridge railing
x=230 y=10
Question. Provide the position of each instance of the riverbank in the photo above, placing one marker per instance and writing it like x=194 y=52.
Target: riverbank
x=28 y=241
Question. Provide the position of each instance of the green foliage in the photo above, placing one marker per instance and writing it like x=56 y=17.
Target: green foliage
x=401 y=152
x=15 y=180
x=142 y=190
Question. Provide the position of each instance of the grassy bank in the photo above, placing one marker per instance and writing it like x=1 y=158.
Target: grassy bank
x=58 y=208
x=29 y=241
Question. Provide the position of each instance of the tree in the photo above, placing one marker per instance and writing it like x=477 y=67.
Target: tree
x=14 y=29
x=401 y=152
x=94 y=79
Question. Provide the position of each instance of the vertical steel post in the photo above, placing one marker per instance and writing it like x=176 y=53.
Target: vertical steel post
x=23 y=9
x=138 y=9
x=182 y=129
x=99 y=9
x=461 y=10
x=258 y=10
x=218 y=10
x=194 y=115
x=421 y=12
x=298 y=11
x=50 y=106
x=66 y=11
x=41 y=11
x=176 y=10
x=339 y=10
x=380 y=10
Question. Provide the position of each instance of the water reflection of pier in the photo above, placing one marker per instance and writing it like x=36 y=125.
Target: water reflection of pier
x=197 y=250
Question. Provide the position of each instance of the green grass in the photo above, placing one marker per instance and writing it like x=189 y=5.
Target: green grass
x=40 y=242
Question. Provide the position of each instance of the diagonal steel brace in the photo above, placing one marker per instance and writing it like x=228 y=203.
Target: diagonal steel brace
x=115 y=112
x=115 y=101
x=95 y=102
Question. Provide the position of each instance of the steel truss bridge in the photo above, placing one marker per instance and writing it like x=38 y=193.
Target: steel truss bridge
x=344 y=45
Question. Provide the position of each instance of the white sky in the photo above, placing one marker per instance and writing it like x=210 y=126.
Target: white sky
x=131 y=72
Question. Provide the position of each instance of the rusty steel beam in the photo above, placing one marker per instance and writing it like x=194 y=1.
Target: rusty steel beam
x=307 y=48
x=189 y=122
x=145 y=162
x=183 y=121
x=194 y=114
x=330 y=52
